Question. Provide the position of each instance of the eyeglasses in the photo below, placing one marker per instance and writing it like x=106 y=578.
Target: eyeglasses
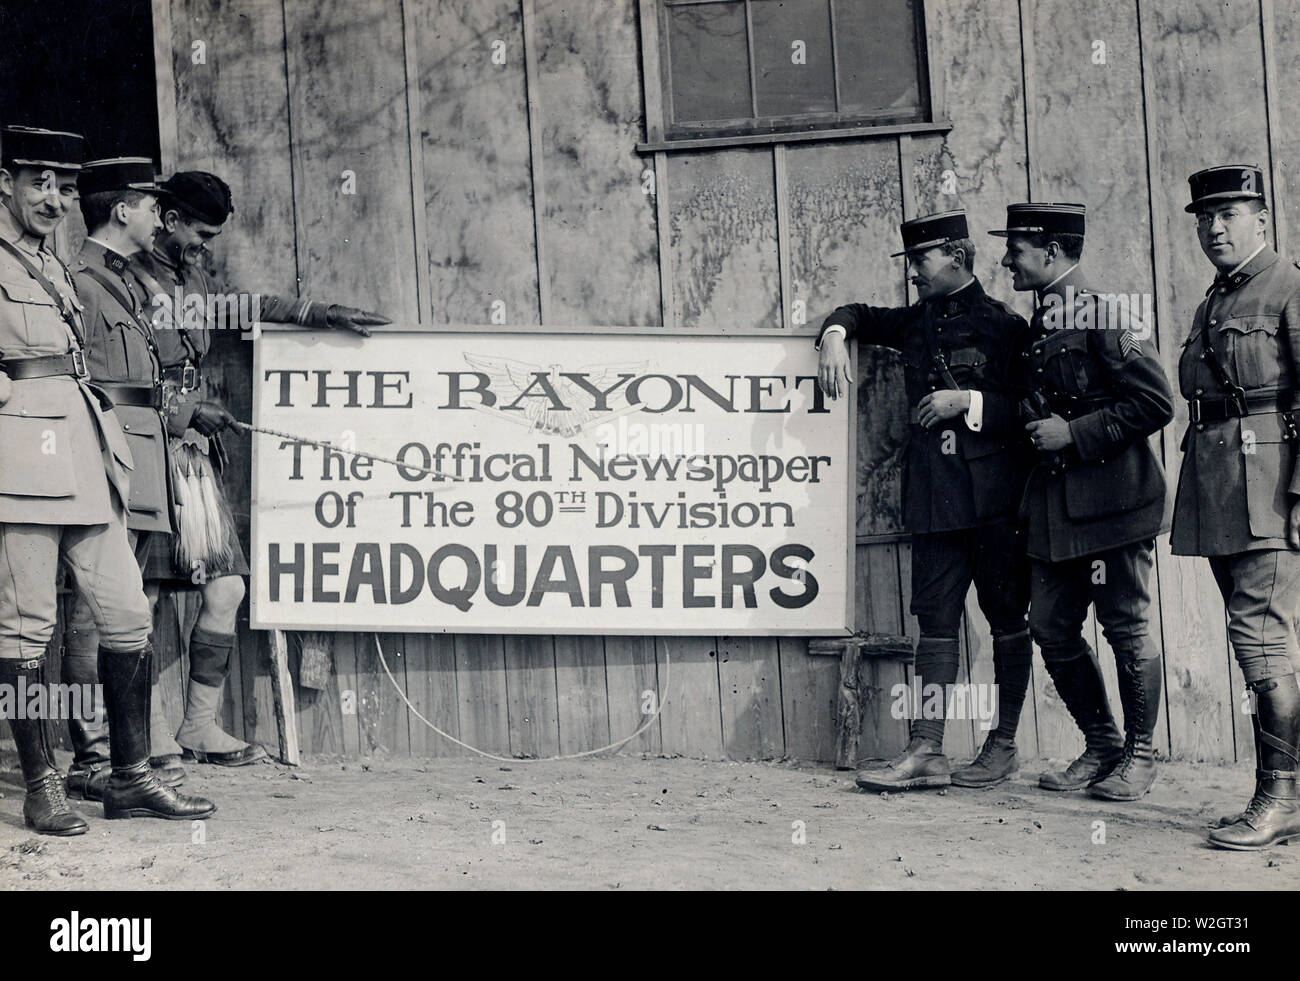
x=1204 y=220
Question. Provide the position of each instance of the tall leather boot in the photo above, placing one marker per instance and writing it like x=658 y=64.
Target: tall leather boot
x=1272 y=816
x=1139 y=690
x=922 y=763
x=89 y=732
x=1079 y=683
x=998 y=759
x=45 y=808
x=134 y=790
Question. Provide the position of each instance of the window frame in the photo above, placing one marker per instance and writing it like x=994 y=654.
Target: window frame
x=657 y=87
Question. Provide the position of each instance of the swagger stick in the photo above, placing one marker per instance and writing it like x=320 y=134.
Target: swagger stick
x=245 y=427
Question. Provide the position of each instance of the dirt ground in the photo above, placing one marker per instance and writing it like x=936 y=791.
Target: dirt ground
x=643 y=823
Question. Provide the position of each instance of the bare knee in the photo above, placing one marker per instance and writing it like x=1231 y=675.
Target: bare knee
x=221 y=597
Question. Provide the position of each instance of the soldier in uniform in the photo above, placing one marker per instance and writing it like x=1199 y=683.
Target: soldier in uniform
x=1096 y=500
x=64 y=486
x=964 y=471
x=206 y=553
x=1238 y=500
x=120 y=206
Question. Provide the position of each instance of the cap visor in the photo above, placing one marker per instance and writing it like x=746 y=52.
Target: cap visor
x=922 y=247
x=1199 y=203
x=52 y=164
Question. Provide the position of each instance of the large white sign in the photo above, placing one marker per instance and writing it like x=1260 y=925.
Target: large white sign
x=584 y=482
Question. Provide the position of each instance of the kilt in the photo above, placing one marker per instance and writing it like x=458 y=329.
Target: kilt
x=162 y=564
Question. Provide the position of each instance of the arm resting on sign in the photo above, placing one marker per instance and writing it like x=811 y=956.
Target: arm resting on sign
x=314 y=313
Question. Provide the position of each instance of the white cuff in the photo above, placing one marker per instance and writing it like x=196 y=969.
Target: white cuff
x=975 y=414
x=832 y=329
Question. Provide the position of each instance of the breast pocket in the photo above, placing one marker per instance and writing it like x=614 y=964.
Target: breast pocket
x=1251 y=348
x=1068 y=365
x=38 y=312
x=969 y=366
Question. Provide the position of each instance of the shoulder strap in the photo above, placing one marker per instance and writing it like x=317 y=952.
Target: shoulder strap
x=125 y=301
x=65 y=309
x=1212 y=359
x=151 y=285
x=114 y=290
x=1230 y=387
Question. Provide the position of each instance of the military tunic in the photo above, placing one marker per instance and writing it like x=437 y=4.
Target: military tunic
x=1094 y=508
x=1239 y=477
x=60 y=452
x=1088 y=360
x=960 y=486
x=183 y=341
x=972 y=337
x=120 y=351
x=1234 y=494
x=64 y=473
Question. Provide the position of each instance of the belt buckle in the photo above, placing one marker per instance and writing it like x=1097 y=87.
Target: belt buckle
x=1238 y=399
x=1194 y=411
x=79 y=364
x=189 y=378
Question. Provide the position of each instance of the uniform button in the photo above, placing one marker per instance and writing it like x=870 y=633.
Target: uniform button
x=22 y=412
x=1213 y=323
x=1200 y=427
x=1200 y=392
x=125 y=426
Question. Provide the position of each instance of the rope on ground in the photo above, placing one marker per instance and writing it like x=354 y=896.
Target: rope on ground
x=659 y=707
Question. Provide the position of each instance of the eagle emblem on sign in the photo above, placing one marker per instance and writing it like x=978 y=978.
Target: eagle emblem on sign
x=549 y=400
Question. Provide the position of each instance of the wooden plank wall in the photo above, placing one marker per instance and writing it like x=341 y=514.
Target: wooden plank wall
x=510 y=187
